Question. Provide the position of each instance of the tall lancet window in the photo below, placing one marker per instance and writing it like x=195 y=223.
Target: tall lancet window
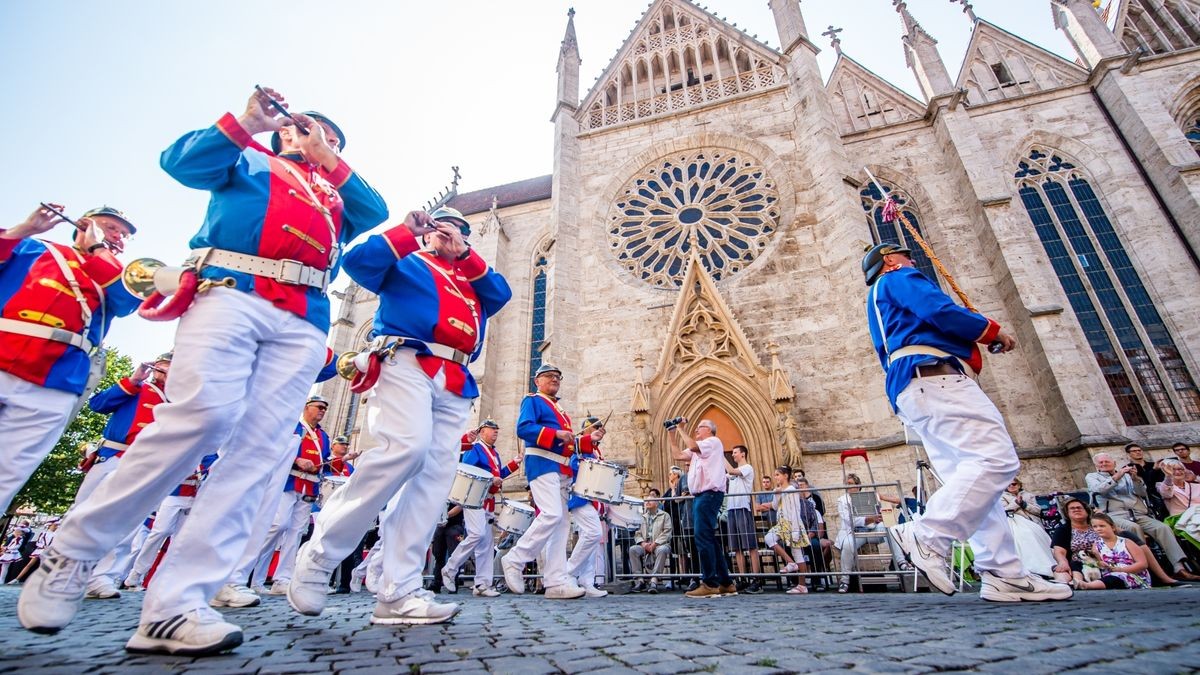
x=872 y=203
x=1136 y=353
x=1191 y=127
x=537 y=330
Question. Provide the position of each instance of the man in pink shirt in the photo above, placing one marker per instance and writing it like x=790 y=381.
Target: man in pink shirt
x=706 y=480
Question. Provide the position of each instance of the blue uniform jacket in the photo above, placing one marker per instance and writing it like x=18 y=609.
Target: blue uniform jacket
x=916 y=312
x=428 y=300
x=130 y=407
x=540 y=417
x=260 y=207
x=317 y=455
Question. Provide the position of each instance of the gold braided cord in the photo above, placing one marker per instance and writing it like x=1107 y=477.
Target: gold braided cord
x=937 y=263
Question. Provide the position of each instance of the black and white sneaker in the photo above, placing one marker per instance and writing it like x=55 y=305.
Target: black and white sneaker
x=200 y=632
x=1029 y=588
x=53 y=593
x=932 y=565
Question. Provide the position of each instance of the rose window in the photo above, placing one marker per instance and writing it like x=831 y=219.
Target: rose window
x=718 y=204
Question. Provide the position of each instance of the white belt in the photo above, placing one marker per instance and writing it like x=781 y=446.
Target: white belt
x=46 y=333
x=439 y=350
x=546 y=454
x=915 y=350
x=114 y=445
x=310 y=477
x=191 y=483
x=284 y=271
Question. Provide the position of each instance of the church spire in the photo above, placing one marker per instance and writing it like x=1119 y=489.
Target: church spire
x=1085 y=30
x=921 y=54
x=568 y=65
x=790 y=22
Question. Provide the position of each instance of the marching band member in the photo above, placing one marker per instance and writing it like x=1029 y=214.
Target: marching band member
x=169 y=517
x=130 y=404
x=549 y=444
x=56 y=304
x=925 y=342
x=269 y=241
x=434 y=305
x=300 y=490
x=586 y=514
x=480 y=541
x=340 y=458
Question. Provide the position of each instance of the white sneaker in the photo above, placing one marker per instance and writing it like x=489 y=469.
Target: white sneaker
x=235 y=595
x=512 y=575
x=356 y=583
x=279 y=587
x=200 y=632
x=484 y=592
x=593 y=592
x=1030 y=587
x=259 y=589
x=133 y=582
x=567 y=591
x=51 y=596
x=418 y=607
x=309 y=588
x=933 y=565
x=448 y=581
x=791 y=567
x=102 y=588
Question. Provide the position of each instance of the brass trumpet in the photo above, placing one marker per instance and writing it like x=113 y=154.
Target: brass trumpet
x=143 y=276
x=352 y=364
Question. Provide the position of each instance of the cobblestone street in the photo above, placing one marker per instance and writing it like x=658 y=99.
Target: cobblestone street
x=1155 y=631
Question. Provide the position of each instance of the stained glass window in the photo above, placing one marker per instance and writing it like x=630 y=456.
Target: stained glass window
x=718 y=204
x=1135 y=351
x=537 y=333
x=1192 y=130
x=872 y=203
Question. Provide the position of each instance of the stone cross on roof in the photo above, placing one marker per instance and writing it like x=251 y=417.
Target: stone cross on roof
x=834 y=39
x=967 y=9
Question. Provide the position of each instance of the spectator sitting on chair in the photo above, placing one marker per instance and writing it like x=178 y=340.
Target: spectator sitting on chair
x=763 y=503
x=849 y=525
x=654 y=538
x=742 y=539
x=1178 y=495
x=1122 y=495
x=1121 y=564
x=1017 y=502
x=797 y=520
x=1076 y=535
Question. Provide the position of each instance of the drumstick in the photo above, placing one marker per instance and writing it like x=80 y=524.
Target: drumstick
x=282 y=110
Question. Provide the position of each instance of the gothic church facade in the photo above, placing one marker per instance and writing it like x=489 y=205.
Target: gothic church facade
x=696 y=249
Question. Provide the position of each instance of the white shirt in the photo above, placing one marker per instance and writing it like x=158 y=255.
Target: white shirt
x=741 y=484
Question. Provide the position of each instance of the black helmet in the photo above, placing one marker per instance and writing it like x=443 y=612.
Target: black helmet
x=872 y=262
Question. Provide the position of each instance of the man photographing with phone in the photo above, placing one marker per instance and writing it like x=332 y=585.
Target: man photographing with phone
x=706 y=479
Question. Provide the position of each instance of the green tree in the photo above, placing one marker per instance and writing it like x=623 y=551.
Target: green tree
x=52 y=487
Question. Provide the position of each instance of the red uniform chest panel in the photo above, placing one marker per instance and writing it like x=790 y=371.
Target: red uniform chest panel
x=294 y=228
x=339 y=467
x=148 y=399
x=457 y=325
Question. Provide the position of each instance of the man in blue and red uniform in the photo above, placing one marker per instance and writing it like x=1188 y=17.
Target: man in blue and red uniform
x=56 y=304
x=169 y=517
x=289 y=521
x=434 y=305
x=244 y=356
x=480 y=541
x=130 y=404
x=581 y=566
x=929 y=349
x=545 y=428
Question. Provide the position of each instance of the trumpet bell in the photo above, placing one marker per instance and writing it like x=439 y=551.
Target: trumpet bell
x=144 y=276
x=352 y=364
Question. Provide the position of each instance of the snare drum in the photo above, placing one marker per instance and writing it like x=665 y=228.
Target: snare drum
x=330 y=485
x=514 y=517
x=602 y=481
x=627 y=515
x=470 y=487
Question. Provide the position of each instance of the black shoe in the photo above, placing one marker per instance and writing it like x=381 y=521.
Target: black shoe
x=694 y=585
x=342 y=591
x=753 y=589
x=652 y=589
x=638 y=587
x=742 y=585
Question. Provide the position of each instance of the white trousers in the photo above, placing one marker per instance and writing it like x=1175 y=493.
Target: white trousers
x=479 y=542
x=33 y=418
x=969 y=447
x=419 y=424
x=167 y=521
x=288 y=524
x=94 y=477
x=582 y=563
x=241 y=371
x=263 y=519
x=549 y=530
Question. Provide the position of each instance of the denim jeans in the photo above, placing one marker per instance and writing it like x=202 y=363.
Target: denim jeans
x=713 y=569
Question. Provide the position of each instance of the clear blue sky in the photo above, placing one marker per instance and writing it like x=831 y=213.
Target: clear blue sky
x=93 y=91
